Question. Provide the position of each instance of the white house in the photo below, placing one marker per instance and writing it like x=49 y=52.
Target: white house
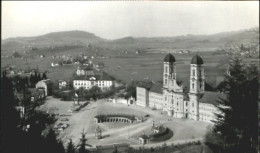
x=44 y=85
x=62 y=84
x=88 y=81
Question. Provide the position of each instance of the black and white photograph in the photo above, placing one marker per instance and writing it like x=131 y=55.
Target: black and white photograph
x=130 y=77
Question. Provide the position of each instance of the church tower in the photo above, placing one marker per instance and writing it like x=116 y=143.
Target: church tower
x=169 y=78
x=169 y=70
x=197 y=86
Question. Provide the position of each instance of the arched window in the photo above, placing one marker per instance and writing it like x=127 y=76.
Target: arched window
x=193 y=86
x=165 y=81
x=193 y=72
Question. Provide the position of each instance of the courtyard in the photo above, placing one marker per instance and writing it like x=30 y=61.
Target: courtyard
x=118 y=132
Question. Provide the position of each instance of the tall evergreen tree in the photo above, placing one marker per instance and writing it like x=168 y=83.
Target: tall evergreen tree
x=39 y=78
x=35 y=80
x=83 y=141
x=31 y=80
x=44 y=76
x=71 y=147
x=52 y=144
x=236 y=125
x=10 y=134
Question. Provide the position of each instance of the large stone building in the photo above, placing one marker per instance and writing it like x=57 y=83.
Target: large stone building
x=196 y=104
x=88 y=81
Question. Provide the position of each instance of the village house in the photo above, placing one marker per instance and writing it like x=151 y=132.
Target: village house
x=45 y=86
x=62 y=84
x=55 y=64
x=84 y=70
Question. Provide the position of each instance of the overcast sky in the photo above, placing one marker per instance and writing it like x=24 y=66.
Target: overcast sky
x=113 y=19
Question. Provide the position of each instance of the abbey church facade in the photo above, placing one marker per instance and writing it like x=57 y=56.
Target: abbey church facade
x=196 y=104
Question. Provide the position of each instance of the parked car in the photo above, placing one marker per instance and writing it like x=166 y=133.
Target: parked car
x=60 y=129
x=65 y=126
x=58 y=125
x=65 y=119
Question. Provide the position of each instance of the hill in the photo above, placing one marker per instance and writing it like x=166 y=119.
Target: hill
x=51 y=39
x=192 y=42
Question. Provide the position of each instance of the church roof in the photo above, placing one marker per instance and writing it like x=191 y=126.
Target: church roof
x=169 y=58
x=197 y=60
x=97 y=77
x=211 y=97
x=157 y=88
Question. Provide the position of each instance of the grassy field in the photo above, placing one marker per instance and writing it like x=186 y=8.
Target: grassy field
x=126 y=67
x=150 y=65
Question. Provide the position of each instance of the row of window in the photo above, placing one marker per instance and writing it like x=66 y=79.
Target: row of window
x=206 y=115
x=207 y=109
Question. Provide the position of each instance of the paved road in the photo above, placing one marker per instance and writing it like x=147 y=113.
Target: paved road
x=84 y=119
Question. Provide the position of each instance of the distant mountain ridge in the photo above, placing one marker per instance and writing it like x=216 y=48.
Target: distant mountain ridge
x=82 y=37
x=54 y=38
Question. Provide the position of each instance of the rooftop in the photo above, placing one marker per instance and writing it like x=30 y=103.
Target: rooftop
x=157 y=88
x=83 y=67
x=97 y=77
x=144 y=136
x=211 y=97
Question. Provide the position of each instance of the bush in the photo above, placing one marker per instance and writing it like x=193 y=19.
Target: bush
x=162 y=136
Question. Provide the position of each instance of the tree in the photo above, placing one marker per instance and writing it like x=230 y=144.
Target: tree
x=32 y=80
x=44 y=76
x=52 y=144
x=39 y=77
x=71 y=147
x=11 y=135
x=236 y=125
x=83 y=140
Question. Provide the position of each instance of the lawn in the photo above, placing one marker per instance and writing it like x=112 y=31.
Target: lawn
x=150 y=65
x=127 y=67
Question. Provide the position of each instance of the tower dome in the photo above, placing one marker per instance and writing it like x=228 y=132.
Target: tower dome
x=197 y=60
x=169 y=58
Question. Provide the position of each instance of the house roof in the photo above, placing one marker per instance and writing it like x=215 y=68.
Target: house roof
x=157 y=88
x=211 y=97
x=47 y=81
x=83 y=67
x=144 y=136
